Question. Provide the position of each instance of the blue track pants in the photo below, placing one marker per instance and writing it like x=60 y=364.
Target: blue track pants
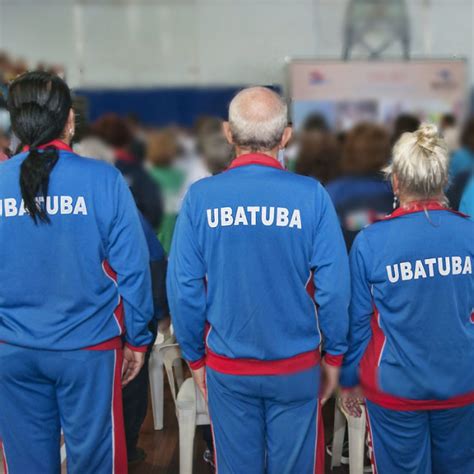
x=422 y=442
x=266 y=424
x=78 y=391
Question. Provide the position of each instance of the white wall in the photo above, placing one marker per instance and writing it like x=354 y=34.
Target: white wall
x=169 y=42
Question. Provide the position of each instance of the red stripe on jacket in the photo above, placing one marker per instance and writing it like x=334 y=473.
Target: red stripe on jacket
x=291 y=365
x=334 y=360
x=116 y=342
x=118 y=311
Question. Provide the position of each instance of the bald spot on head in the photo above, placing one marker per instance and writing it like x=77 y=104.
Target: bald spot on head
x=257 y=117
x=257 y=104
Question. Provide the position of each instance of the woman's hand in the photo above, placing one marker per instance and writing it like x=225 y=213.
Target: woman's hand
x=351 y=401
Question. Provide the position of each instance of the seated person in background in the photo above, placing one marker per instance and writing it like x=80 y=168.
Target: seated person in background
x=315 y=123
x=115 y=132
x=461 y=166
x=319 y=154
x=404 y=123
x=135 y=394
x=209 y=154
x=93 y=146
x=362 y=195
x=411 y=337
x=463 y=159
x=191 y=161
x=138 y=144
x=161 y=154
x=448 y=129
x=213 y=148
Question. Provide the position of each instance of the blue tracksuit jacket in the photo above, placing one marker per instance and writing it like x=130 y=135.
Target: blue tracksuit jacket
x=58 y=286
x=246 y=245
x=411 y=323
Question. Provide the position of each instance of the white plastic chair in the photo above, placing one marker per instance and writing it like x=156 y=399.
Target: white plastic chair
x=155 y=374
x=191 y=408
x=357 y=437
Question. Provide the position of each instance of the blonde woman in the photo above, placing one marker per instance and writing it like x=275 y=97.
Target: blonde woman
x=411 y=348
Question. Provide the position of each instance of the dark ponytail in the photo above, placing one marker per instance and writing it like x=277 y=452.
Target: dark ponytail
x=39 y=104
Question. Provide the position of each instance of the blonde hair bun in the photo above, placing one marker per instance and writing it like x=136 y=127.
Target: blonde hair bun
x=427 y=136
x=420 y=162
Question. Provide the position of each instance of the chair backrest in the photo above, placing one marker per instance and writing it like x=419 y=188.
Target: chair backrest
x=169 y=355
x=166 y=337
x=186 y=394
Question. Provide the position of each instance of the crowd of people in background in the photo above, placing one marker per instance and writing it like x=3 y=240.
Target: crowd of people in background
x=12 y=67
x=161 y=164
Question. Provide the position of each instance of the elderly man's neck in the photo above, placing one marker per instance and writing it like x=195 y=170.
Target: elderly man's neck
x=239 y=151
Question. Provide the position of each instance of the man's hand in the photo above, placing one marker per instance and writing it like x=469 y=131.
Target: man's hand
x=351 y=400
x=199 y=376
x=132 y=363
x=330 y=381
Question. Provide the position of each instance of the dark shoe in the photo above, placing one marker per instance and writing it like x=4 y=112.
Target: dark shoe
x=136 y=456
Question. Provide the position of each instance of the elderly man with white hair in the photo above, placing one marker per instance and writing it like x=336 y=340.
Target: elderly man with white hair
x=258 y=277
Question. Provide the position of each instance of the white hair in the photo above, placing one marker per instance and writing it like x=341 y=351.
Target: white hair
x=93 y=147
x=420 y=163
x=257 y=119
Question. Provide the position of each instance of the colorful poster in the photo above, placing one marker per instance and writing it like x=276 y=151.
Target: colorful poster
x=347 y=92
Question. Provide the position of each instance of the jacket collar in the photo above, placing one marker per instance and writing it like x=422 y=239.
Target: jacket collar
x=255 y=159
x=421 y=206
x=59 y=144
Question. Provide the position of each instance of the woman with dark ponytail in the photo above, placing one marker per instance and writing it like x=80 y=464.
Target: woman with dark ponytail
x=75 y=292
x=42 y=114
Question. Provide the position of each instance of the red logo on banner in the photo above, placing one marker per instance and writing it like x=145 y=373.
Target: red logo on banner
x=316 y=77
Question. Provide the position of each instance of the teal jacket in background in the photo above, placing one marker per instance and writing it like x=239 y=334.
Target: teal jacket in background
x=467 y=201
x=461 y=160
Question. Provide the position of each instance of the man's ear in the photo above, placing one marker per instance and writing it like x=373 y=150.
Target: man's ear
x=227 y=132
x=286 y=137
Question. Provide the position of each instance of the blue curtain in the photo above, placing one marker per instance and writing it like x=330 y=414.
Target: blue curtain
x=160 y=106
